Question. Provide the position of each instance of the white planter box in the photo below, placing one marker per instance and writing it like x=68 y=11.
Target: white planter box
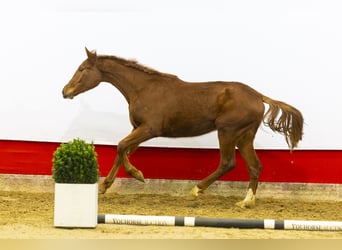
x=76 y=205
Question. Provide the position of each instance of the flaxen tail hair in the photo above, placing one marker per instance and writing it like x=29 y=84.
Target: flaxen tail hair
x=285 y=119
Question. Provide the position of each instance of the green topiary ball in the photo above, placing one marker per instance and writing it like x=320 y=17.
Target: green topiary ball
x=75 y=162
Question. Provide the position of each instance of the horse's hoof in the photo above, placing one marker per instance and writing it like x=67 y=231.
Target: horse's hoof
x=195 y=191
x=104 y=186
x=102 y=189
x=248 y=202
x=244 y=204
x=139 y=176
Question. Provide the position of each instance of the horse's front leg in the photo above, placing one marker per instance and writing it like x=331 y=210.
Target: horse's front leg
x=125 y=147
x=108 y=181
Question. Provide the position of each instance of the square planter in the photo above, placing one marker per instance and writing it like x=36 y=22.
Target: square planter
x=76 y=205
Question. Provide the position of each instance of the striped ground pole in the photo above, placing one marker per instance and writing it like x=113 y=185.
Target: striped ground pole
x=220 y=222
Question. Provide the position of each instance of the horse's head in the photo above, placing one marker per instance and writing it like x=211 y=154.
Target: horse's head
x=86 y=77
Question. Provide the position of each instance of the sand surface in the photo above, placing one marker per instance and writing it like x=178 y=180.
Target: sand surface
x=30 y=216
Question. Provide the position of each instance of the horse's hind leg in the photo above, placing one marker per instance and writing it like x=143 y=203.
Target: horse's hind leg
x=227 y=161
x=247 y=151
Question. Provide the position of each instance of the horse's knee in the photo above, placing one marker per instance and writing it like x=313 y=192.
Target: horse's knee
x=121 y=148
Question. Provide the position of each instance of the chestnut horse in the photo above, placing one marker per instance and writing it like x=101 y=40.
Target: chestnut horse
x=163 y=105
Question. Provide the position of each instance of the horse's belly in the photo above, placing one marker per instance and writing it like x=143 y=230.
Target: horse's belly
x=182 y=129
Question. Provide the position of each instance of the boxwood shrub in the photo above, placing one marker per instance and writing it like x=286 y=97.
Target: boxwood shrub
x=75 y=162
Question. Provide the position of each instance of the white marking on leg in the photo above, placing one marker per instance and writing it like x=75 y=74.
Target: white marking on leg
x=249 y=200
x=195 y=190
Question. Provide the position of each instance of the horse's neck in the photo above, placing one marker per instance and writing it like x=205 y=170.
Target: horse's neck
x=121 y=77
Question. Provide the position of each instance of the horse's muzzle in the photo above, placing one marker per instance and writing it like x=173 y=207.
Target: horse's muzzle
x=67 y=96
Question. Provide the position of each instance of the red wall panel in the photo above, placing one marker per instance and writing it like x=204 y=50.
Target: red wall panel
x=307 y=166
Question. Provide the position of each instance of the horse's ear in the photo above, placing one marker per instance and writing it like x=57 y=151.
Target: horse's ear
x=92 y=56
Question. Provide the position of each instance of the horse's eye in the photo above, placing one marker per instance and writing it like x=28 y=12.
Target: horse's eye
x=80 y=69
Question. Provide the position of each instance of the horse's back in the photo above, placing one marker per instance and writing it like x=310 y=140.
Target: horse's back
x=195 y=108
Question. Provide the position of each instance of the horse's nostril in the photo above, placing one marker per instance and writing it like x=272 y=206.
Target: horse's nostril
x=65 y=95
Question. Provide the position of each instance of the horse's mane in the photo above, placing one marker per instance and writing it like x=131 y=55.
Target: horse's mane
x=132 y=63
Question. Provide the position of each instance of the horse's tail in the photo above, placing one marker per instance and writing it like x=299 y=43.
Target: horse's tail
x=289 y=122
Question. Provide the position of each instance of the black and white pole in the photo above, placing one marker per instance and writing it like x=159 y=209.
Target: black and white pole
x=220 y=222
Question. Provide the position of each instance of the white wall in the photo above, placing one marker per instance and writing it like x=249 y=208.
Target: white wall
x=289 y=50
